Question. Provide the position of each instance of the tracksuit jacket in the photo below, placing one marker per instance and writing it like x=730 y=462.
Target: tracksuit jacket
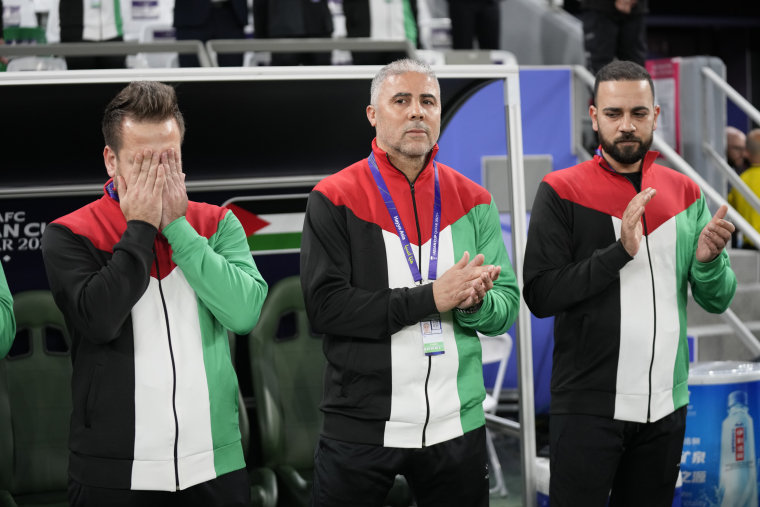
x=155 y=396
x=380 y=388
x=620 y=346
x=7 y=319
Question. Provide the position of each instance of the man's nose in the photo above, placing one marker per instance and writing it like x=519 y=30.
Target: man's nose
x=415 y=110
x=627 y=124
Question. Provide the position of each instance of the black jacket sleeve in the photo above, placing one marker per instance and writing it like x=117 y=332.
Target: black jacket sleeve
x=96 y=293
x=555 y=279
x=334 y=305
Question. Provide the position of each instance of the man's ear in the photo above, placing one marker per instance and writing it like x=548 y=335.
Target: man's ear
x=110 y=160
x=592 y=112
x=371 y=115
x=656 y=115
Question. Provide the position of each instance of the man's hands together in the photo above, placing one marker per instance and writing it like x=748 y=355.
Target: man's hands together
x=712 y=239
x=464 y=284
x=154 y=190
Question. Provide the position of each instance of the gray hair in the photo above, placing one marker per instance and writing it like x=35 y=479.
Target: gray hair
x=396 y=68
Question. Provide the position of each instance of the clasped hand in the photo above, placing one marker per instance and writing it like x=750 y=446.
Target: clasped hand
x=465 y=283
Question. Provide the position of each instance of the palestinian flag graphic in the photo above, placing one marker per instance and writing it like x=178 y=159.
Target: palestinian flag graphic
x=272 y=223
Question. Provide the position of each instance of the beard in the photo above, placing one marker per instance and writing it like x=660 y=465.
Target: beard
x=626 y=154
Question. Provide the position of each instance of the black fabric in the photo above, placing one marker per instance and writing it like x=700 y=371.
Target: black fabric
x=471 y=19
x=293 y=19
x=640 y=7
x=196 y=13
x=585 y=298
x=102 y=351
x=450 y=474
x=74 y=34
x=610 y=35
x=223 y=22
x=590 y=455
x=229 y=490
x=634 y=178
x=337 y=243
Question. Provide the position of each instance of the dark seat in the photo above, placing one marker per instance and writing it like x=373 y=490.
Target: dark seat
x=287 y=365
x=35 y=405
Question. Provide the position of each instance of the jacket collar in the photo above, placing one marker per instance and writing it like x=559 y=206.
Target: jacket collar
x=385 y=166
x=109 y=190
x=649 y=159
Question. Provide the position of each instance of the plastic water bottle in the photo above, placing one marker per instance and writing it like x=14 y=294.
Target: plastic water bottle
x=738 y=473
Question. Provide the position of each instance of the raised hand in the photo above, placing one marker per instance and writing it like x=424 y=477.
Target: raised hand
x=631 y=230
x=140 y=193
x=713 y=238
x=174 y=196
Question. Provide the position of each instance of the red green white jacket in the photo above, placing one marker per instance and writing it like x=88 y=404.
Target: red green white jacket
x=155 y=395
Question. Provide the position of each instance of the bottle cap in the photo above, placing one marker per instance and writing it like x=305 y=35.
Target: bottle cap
x=737 y=398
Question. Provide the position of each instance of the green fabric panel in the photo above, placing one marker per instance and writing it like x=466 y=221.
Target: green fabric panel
x=713 y=285
x=222 y=391
x=281 y=241
x=229 y=458
x=7 y=319
x=685 y=249
x=410 y=24
x=24 y=34
x=470 y=384
x=479 y=231
x=230 y=292
x=117 y=17
x=220 y=270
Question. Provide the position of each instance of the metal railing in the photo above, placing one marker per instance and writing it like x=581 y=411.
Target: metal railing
x=64 y=49
x=729 y=316
x=310 y=45
x=192 y=185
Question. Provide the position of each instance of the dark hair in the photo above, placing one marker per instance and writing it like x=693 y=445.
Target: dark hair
x=142 y=101
x=622 y=70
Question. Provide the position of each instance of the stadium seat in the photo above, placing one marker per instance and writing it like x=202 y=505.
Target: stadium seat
x=287 y=366
x=35 y=405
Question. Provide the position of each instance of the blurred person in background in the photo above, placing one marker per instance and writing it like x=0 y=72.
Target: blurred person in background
x=614 y=29
x=736 y=149
x=289 y=19
x=750 y=176
x=473 y=20
x=204 y=20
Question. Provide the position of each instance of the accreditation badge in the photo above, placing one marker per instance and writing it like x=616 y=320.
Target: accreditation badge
x=432 y=335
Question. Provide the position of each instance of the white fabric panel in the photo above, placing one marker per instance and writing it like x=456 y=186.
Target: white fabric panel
x=386 y=19
x=193 y=407
x=409 y=364
x=638 y=335
x=668 y=325
x=153 y=467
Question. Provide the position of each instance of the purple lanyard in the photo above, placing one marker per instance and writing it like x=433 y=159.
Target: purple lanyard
x=393 y=212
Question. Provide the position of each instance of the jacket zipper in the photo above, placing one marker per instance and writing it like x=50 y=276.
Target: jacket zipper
x=654 y=317
x=174 y=373
x=654 y=300
x=430 y=361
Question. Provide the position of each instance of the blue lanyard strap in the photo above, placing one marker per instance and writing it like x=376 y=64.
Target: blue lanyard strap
x=396 y=219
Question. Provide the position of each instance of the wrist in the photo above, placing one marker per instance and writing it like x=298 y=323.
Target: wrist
x=470 y=309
